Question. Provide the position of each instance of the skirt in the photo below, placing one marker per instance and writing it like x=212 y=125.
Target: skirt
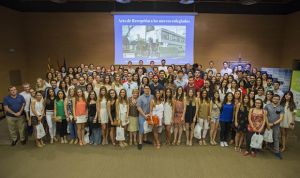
x=103 y=117
x=133 y=125
x=81 y=119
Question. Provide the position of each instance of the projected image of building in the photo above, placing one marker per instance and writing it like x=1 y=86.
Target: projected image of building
x=154 y=41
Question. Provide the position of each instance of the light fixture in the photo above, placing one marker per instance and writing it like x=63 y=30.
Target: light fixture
x=59 y=1
x=248 y=2
x=123 y=1
x=186 y=1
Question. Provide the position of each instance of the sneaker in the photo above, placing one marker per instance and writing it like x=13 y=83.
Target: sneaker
x=140 y=146
x=71 y=142
x=23 y=142
x=225 y=144
x=13 y=143
x=147 y=142
x=222 y=144
x=76 y=141
x=278 y=155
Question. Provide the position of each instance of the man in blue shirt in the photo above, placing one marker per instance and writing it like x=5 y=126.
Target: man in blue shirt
x=275 y=114
x=143 y=106
x=14 y=109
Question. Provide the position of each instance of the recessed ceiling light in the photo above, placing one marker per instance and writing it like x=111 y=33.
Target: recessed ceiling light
x=248 y=2
x=186 y=1
x=123 y=1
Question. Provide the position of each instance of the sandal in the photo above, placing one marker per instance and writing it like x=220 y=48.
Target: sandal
x=178 y=143
x=246 y=153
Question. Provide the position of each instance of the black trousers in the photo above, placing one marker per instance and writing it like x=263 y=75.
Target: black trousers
x=225 y=129
x=61 y=127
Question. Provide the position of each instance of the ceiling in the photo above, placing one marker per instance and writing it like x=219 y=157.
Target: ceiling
x=200 y=6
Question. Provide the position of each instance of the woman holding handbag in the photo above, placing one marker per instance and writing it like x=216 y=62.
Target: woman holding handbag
x=37 y=115
x=241 y=121
x=70 y=99
x=94 y=128
x=122 y=113
x=133 y=117
x=112 y=115
x=289 y=116
x=204 y=115
x=60 y=116
x=215 y=107
x=257 y=120
x=156 y=114
x=179 y=113
x=103 y=114
x=168 y=113
x=80 y=115
x=191 y=108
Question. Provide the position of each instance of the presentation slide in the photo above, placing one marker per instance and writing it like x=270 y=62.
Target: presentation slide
x=154 y=37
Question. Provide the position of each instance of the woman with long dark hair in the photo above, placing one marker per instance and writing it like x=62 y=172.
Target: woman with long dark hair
x=179 y=112
x=241 y=121
x=257 y=120
x=289 y=116
x=226 y=118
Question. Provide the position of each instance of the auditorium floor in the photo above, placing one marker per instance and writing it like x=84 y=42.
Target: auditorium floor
x=59 y=160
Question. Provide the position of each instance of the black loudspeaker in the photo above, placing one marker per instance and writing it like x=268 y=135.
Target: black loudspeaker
x=296 y=64
x=15 y=77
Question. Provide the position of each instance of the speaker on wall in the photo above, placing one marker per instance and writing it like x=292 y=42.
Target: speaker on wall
x=296 y=64
x=15 y=77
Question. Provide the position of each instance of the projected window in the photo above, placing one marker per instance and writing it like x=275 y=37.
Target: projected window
x=154 y=37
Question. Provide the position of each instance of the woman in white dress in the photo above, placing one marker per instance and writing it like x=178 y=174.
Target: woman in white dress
x=288 y=121
x=168 y=114
x=122 y=112
x=157 y=111
x=97 y=83
x=103 y=115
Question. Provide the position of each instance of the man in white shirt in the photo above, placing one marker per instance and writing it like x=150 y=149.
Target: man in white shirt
x=276 y=90
x=226 y=69
x=129 y=85
x=27 y=96
x=163 y=66
x=130 y=68
x=212 y=68
x=180 y=81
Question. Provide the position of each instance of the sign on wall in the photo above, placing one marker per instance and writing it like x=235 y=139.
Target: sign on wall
x=280 y=74
x=295 y=88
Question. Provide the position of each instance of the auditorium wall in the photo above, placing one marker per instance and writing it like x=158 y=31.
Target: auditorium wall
x=89 y=38
x=12 y=49
x=291 y=47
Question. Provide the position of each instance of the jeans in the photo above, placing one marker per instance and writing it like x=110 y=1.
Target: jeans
x=62 y=127
x=51 y=123
x=225 y=128
x=276 y=137
x=95 y=131
x=73 y=130
x=95 y=136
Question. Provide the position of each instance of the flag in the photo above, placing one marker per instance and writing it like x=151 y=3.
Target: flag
x=49 y=65
x=65 y=64
x=58 y=66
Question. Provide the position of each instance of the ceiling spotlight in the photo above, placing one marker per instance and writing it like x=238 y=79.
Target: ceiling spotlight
x=59 y=1
x=123 y=1
x=248 y=2
x=186 y=1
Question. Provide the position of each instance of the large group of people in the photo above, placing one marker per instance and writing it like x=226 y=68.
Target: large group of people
x=167 y=100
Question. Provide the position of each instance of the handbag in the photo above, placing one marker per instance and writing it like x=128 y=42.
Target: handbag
x=197 y=131
x=155 y=120
x=40 y=131
x=268 y=136
x=58 y=119
x=120 y=134
x=147 y=127
x=256 y=141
